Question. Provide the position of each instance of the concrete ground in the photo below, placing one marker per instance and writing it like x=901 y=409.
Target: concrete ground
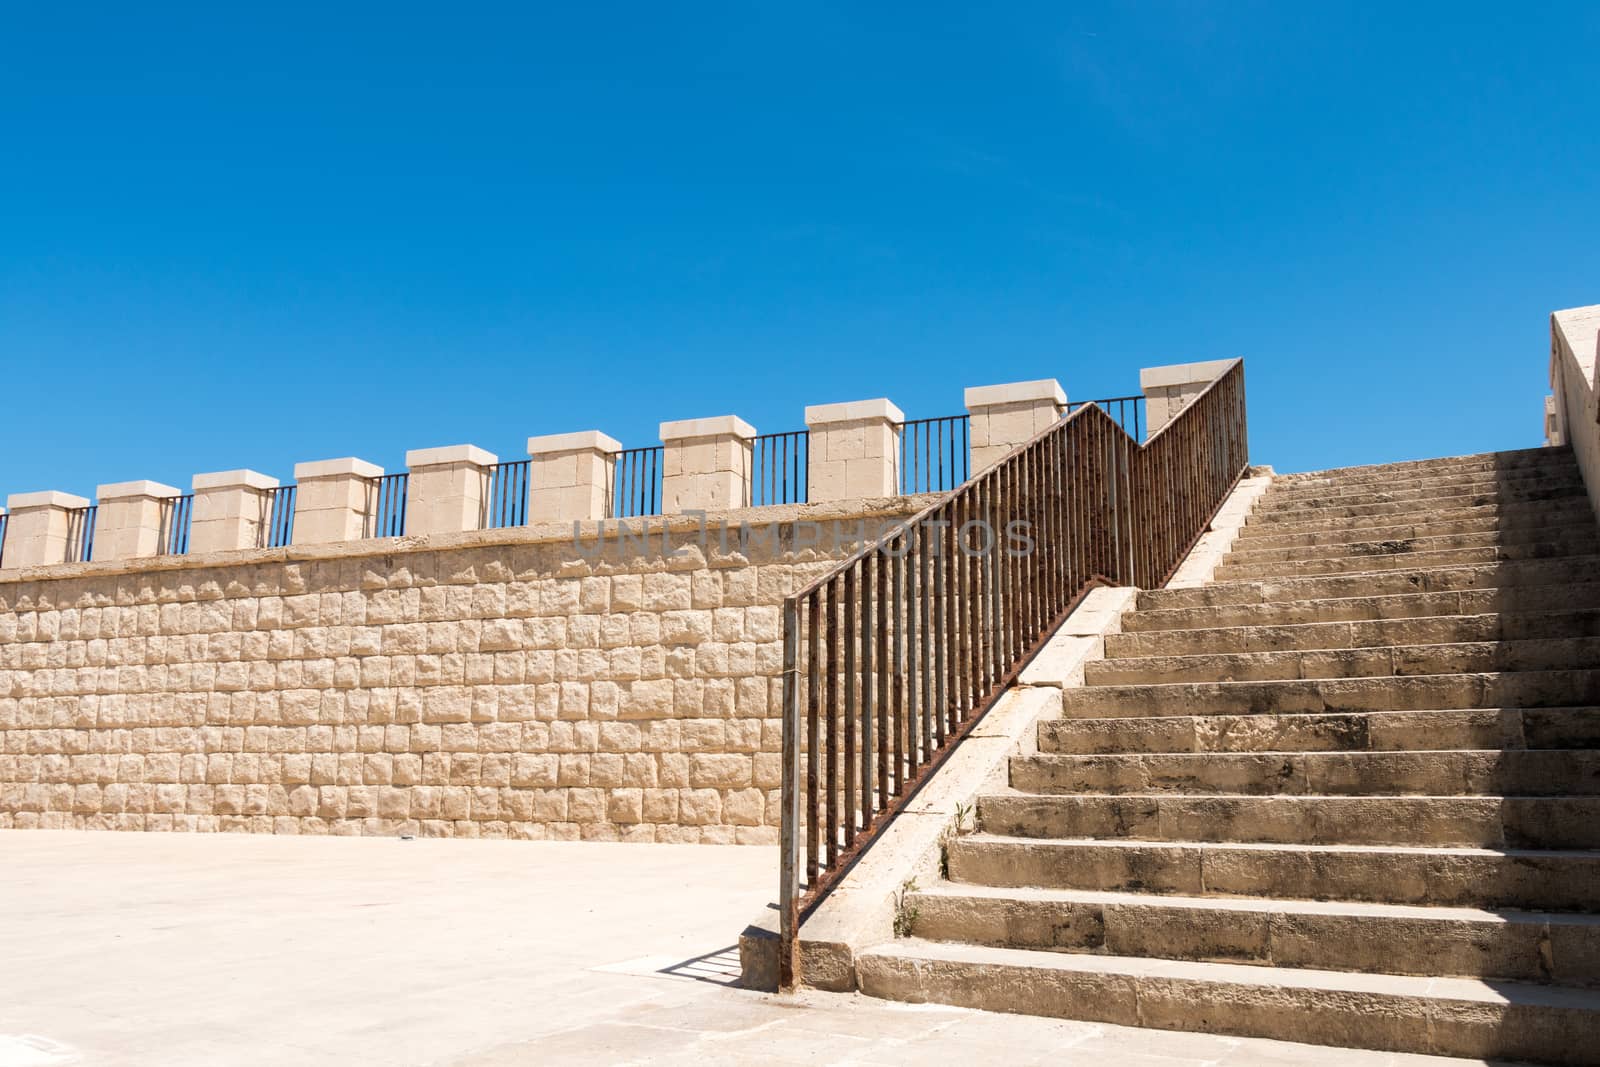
x=236 y=950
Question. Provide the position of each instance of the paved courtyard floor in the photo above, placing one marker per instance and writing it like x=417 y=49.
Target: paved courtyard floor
x=225 y=950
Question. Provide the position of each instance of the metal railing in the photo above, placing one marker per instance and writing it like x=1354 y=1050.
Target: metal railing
x=780 y=467
x=894 y=655
x=635 y=487
x=80 y=533
x=176 y=513
x=279 y=517
x=1125 y=411
x=5 y=518
x=386 y=509
x=935 y=454
x=507 y=496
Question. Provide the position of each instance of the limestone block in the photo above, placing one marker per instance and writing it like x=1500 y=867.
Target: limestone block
x=1001 y=417
x=133 y=520
x=39 y=528
x=706 y=464
x=570 y=476
x=448 y=491
x=1170 y=389
x=231 y=510
x=854 y=450
x=335 y=500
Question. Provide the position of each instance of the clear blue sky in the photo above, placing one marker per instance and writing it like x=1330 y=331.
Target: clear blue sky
x=245 y=240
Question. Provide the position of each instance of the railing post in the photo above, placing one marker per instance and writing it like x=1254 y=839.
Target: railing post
x=789 y=827
x=705 y=464
x=570 y=475
x=231 y=511
x=1004 y=416
x=448 y=489
x=854 y=451
x=334 y=500
x=1169 y=389
x=129 y=524
x=38 y=527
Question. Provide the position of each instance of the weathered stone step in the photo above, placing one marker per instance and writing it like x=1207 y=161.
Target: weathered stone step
x=1566 y=596
x=1585 y=533
x=1291 y=493
x=1359 y=527
x=1554 y=947
x=1447 y=1016
x=1396 y=502
x=1514 y=689
x=1427 y=773
x=1506 y=500
x=1261 y=539
x=1568 y=569
x=1427 y=630
x=1369 y=731
x=1480 y=822
x=1532 y=879
x=1466 y=657
x=1513 y=460
x=1367 y=563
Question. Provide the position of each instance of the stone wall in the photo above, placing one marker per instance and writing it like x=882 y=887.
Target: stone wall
x=1575 y=403
x=524 y=682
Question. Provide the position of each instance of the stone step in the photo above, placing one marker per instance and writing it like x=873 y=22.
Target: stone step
x=1557 y=947
x=1512 y=460
x=1565 y=510
x=1426 y=630
x=1531 y=879
x=1566 y=596
x=1480 y=822
x=1517 y=689
x=1367 y=563
x=1464 y=657
x=1429 y=773
x=1562 y=571
x=1365 y=505
x=1446 y=1016
x=1369 y=731
x=1292 y=493
x=1261 y=538
x=1585 y=533
x=1445 y=501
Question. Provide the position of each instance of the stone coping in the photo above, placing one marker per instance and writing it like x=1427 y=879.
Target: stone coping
x=854 y=411
x=1014 y=393
x=449 y=454
x=136 y=490
x=239 y=479
x=49 y=498
x=1184 y=373
x=553 y=443
x=332 y=468
x=717 y=426
x=536 y=533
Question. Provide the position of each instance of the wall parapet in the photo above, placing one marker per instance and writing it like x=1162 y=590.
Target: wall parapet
x=1572 y=413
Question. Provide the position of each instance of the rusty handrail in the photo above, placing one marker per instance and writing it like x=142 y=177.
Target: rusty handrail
x=890 y=658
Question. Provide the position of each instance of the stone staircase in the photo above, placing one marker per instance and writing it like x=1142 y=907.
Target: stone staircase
x=1348 y=793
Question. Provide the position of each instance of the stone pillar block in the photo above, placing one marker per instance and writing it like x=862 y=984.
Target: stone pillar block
x=1168 y=390
x=705 y=464
x=39 y=527
x=854 y=450
x=335 y=500
x=448 y=490
x=232 y=510
x=133 y=519
x=570 y=476
x=1004 y=416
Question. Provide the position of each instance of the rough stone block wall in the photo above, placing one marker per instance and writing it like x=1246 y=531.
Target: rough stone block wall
x=515 y=682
